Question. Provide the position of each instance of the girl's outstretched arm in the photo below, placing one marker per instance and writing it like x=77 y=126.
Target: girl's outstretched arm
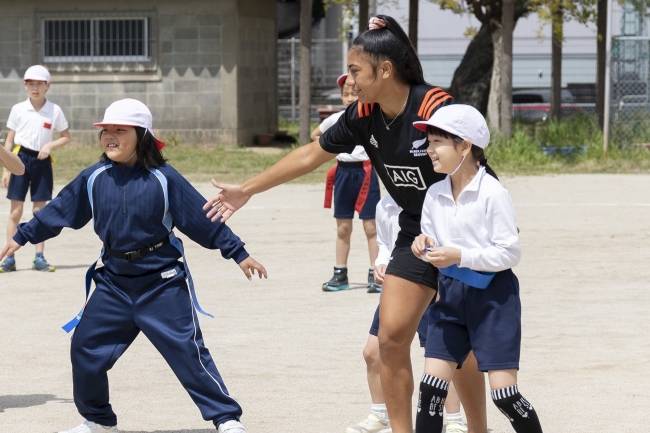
x=14 y=246
x=249 y=265
x=232 y=197
x=7 y=159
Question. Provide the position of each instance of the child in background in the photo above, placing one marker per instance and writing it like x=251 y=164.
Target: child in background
x=30 y=127
x=378 y=421
x=470 y=234
x=355 y=187
x=135 y=199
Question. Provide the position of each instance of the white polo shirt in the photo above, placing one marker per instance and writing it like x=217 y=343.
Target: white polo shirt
x=482 y=224
x=387 y=221
x=357 y=155
x=34 y=128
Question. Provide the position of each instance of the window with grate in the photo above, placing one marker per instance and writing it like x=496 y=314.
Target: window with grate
x=97 y=40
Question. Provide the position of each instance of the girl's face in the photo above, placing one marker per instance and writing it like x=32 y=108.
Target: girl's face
x=347 y=95
x=363 y=77
x=444 y=155
x=36 y=89
x=119 y=143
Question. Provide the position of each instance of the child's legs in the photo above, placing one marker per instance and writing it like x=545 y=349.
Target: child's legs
x=373 y=362
x=37 y=206
x=15 y=214
x=105 y=331
x=343 y=234
x=452 y=404
x=469 y=384
x=370 y=229
x=166 y=316
x=508 y=399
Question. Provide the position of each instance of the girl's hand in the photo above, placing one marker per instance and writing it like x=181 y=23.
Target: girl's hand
x=10 y=248
x=230 y=199
x=249 y=265
x=420 y=243
x=441 y=257
x=380 y=274
x=5 y=178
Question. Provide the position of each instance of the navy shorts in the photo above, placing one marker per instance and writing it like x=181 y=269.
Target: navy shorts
x=38 y=178
x=404 y=264
x=486 y=321
x=422 y=326
x=347 y=184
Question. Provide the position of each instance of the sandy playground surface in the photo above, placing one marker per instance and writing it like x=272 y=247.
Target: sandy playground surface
x=291 y=354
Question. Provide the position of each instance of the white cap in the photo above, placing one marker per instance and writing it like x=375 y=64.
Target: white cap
x=130 y=112
x=341 y=80
x=37 y=73
x=464 y=121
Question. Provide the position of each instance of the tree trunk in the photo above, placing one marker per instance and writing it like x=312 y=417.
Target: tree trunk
x=471 y=82
x=363 y=15
x=494 y=99
x=414 y=14
x=508 y=26
x=305 y=70
x=602 y=57
x=556 y=62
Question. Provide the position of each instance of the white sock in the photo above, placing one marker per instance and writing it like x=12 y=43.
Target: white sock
x=454 y=417
x=379 y=410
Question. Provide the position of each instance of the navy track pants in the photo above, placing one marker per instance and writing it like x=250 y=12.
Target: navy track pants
x=121 y=307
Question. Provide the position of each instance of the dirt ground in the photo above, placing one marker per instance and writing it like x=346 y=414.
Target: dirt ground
x=291 y=354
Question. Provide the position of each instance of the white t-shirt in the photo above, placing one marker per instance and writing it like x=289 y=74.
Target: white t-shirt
x=387 y=221
x=482 y=224
x=34 y=128
x=357 y=155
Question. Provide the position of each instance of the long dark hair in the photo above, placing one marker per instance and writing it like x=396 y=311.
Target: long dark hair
x=146 y=149
x=391 y=43
x=477 y=152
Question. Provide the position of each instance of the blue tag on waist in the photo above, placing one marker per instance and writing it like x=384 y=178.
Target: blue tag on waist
x=479 y=280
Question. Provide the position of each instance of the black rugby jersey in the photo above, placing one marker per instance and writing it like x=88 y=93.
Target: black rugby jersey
x=398 y=154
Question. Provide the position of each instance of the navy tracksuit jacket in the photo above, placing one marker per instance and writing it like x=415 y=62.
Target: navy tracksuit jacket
x=148 y=294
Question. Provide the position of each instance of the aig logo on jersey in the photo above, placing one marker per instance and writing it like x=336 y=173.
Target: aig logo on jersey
x=406 y=176
x=418 y=150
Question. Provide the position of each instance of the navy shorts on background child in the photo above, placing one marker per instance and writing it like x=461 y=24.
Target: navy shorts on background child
x=38 y=178
x=347 y=184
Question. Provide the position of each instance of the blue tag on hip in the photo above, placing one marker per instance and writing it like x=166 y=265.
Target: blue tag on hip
x=479 y=280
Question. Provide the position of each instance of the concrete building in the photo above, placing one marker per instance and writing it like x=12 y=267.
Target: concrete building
x=207 y=69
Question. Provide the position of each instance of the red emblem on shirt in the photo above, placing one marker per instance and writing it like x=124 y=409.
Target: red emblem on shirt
x=47 y=125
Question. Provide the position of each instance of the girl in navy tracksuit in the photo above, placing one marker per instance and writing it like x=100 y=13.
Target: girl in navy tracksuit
x=135 y=199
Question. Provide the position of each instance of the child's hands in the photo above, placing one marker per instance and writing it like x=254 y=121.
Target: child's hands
x=9 y=249
x=249 y=265
x=441 y=257
x=420 y=243
x=44 y=153
x=5 y=178
x=380 y=274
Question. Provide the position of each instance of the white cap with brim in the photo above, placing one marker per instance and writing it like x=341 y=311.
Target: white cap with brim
x=130 y=112
x=462 y=120
x=37 y=73
x=341 y=80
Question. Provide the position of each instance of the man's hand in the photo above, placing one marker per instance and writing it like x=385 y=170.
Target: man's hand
x=380 y=274
x=249 y=265
x=441 y=257
x=9 y=249
x=45 y=151
x=227 y=202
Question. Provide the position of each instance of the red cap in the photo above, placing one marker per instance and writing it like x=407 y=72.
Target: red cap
x=341 y=80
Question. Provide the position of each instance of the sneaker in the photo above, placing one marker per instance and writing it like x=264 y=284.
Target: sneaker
x=456 y=427
x=91 y=427
x=8 y=265
x=339 y=280
x=40 y=264
x=231 y=426
x=372 y=287
x=372 y=424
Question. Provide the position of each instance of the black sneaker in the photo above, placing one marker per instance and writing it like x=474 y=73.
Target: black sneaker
x=339 y=280
x=372 y=287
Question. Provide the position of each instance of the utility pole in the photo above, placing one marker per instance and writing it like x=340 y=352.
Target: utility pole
x=507 y=27
x=305 y=70
x=363 y=15
x=413 y=23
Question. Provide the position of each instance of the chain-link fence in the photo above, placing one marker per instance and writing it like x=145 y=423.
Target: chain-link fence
x=630 y=103
x=328 y=62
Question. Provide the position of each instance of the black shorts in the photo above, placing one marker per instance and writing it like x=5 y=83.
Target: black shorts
x=404 y=264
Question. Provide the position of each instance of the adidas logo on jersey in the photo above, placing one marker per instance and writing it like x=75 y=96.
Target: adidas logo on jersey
x=373 y=141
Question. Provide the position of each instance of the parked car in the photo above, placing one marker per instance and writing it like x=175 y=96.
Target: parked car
x=535 y=104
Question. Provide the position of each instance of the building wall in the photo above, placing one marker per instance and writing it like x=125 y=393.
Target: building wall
x=213 y=82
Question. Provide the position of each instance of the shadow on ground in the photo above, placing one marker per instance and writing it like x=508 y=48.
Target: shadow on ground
x=174 y=431
x=22 y=401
